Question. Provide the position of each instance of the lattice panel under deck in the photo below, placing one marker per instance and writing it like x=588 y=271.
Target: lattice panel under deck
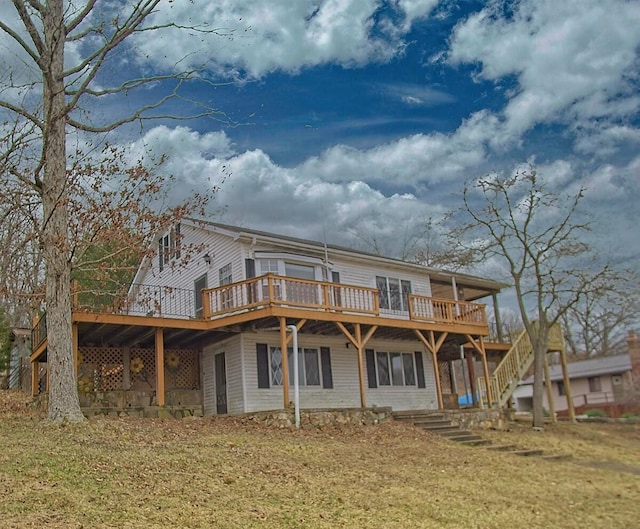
x=143 y=369
x=100 y=369
x=181 y=369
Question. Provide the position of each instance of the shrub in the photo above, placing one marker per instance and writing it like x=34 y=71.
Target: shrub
x=595 y=413
x=629 y=415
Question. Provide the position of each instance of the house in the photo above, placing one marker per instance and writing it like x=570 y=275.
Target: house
x=595 y=383
x=207 y=320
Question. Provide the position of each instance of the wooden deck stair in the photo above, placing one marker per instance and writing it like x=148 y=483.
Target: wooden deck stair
x=439 y=424
x=514 y=366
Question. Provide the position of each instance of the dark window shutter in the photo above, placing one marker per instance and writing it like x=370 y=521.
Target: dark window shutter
x=250 y=268
x=249 y=272
x=335 y=277
x=420 y=370
x=371 y=368
x=160 y=254
x=262 y=354
x=325 y=360
x=178 y=242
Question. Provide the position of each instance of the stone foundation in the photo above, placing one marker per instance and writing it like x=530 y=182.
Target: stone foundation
x=476 y=419
x=319 y=418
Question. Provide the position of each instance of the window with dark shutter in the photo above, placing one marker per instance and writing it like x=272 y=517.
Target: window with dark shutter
x=420 y=370
x=262 y=356
x=325 y=360
x=371 y=368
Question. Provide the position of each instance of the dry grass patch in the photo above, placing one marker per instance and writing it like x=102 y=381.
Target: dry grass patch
x=233 y=473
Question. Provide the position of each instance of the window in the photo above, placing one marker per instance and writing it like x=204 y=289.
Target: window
x=561 y=389
x=395 y=369
x=313 y=369
x=308 y=366
x=169 y=247
x=198 y=286
x=224 y=275
x=225 y=278
x=594 y=384
x=301 y=291
x=267 y=266
x=393 y=293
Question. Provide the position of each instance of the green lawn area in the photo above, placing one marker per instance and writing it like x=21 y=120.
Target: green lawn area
x=235 y=473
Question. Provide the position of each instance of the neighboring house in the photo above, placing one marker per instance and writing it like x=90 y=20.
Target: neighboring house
x=594 y=382
x=372 y=331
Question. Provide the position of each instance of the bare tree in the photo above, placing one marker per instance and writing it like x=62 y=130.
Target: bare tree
x=536 y=236
x=598 y=324
x=44 y=109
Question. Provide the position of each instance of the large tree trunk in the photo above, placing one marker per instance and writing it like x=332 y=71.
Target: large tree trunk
x=538 y=389
x=63 y=393
x=540 y=346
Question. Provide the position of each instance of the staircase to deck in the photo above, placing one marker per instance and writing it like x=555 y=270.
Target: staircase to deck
x=514 y=366
x=439 y=424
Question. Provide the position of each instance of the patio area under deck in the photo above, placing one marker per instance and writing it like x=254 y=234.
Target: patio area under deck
x=166 y=318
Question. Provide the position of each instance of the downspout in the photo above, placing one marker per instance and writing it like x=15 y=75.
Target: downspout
x=296 y=382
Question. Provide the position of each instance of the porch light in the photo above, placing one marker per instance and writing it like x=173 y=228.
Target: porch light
x=207 y=259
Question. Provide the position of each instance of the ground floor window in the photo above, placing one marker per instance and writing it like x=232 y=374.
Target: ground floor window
x=395 y=369
x=314 y=366
x=594 y=384
x=308 y=366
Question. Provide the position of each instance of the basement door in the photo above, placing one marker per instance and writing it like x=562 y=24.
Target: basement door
x=221 y=383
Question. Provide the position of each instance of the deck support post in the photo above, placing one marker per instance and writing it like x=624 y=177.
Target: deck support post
x=160 y=366
x=285 y=361
x=549 y=388
x=472 y=378
x=360 y=346
x=433 y=347
x=359 y=343
x=479 y=346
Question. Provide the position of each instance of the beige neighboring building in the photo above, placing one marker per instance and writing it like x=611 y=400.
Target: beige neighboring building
x=597 y=382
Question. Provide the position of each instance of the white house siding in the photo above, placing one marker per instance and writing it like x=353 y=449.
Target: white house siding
x=344 y=366
x=364 y=275
x=233 y=361
x=404 y=397
x=220 y=247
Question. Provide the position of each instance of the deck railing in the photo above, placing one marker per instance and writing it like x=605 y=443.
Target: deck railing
x=138 y=300
x=422 y=308
x=271 y=289
x=263 y=291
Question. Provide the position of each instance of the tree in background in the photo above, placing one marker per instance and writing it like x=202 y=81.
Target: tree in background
x=538 y=239
x=68 y=55
x=598 y=324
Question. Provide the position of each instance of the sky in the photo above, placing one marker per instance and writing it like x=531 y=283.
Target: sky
x=356 y=121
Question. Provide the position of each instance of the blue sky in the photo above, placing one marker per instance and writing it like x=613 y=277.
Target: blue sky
x=360 y=119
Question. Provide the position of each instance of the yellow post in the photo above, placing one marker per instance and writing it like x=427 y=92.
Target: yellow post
x=160 y=366
x=485 y=367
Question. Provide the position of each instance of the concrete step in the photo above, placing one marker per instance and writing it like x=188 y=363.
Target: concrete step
x=526 y=453
x=465 y=437
x=454 y=432
x=433 y=424
x=475 y=442
x=501 y=448
x=412 y=417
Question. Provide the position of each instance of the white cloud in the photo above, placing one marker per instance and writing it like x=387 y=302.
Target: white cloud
x=256 y=37
x=574 y=60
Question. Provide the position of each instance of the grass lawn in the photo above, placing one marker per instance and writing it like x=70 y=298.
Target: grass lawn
x=234 y=473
